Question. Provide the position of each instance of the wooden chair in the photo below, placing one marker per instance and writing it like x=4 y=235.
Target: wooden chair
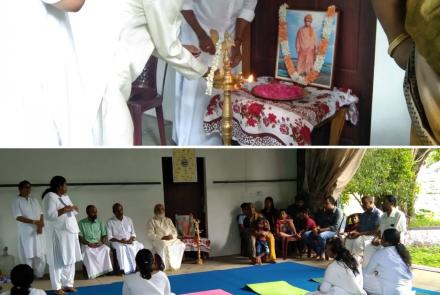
x=143 y=97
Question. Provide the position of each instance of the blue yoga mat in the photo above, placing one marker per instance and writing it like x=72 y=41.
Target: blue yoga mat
x=235 y=280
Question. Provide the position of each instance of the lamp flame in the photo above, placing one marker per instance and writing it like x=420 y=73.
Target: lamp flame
x=250 y=79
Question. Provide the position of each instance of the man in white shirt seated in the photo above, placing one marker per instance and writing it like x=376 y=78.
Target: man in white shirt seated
x=163 y=235
x=93 y=236
x=121 y=234
x=31 y=244
x=392 y=217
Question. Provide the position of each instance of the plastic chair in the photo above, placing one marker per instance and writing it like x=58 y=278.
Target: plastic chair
x=143 y=97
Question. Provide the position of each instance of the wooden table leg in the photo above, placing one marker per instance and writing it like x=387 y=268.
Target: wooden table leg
x=337 y=125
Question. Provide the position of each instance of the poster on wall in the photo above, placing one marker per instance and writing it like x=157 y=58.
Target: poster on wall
x=184 y=165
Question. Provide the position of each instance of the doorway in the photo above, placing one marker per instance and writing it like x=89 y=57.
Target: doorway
x=185 y=197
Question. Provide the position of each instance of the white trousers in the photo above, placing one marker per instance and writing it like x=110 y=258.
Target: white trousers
x=96 y=260
x=62 y=276
x=38 y=264
x=126 y=255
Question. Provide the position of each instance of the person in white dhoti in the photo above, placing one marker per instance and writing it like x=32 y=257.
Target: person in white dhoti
x=63 y=249
x=147 y=280
x=22 y=277
x=31 y=244
x=41 y=89
x=368 y=226
x=122 y=237
x=389 y=269
x=93 y=236
x=343 y=276
x=163 y=235
x=232 y=16
x=148 y=27
x=392 y=217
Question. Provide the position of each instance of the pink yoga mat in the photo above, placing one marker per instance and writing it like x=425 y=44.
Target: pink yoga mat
x=210 y=292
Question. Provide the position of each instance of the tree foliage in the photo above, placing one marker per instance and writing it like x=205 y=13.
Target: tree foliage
x=387 y=171
x=433 y=157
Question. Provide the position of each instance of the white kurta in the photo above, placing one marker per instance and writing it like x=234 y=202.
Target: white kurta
x=340 y=280
x=126 y=253
x=394 y=277
x=147 y=26
x=136 y=285
x=32 y=292
x=41 y=99
x=396 y=220
x=63 y=249
x=171 y=251
x=191 y=102
x=31 y=246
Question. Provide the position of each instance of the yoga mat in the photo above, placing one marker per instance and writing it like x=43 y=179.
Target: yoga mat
x=210 y=292
x=276 y=288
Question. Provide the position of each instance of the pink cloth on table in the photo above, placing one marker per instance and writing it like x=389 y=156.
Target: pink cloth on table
x=264 y=122
x=210 y=292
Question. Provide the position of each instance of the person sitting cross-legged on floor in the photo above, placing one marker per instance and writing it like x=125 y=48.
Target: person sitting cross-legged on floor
x=22 y=277
x=389 y=269
x=122 y=237
x=343 y=276
x=93 y=236
x=329 y=221
x=147 y=280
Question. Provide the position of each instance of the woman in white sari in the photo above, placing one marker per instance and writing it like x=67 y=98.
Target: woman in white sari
x=147 y=280
x=41 y=98
x=343 y=276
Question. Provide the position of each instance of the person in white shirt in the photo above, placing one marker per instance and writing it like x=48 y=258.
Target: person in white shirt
x=22 y=277
x=389 y=270
x=392 y=217
x=146 y=280
x=232 y=16
x=163 y=235
x=31 y=244
x=122 y=237
x=148 y=27
x=63 y=249
x=343 y=276
x=41 y=89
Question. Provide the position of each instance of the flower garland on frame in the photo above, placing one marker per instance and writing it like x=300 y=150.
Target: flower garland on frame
x=283 y=37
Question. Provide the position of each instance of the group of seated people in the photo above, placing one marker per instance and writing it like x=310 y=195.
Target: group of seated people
x=369 y=254
x=260 y=231
x=53 y=236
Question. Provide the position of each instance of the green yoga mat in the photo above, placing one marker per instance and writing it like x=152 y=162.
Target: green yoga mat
x=318 y=280
x=276 y=288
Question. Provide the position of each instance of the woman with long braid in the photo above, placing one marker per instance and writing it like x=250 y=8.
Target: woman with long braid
x=22 y=277
x=147 y=280
x=389 y=270
x=342 y=276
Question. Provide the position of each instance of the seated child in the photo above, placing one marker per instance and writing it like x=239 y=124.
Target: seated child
x=261 y=245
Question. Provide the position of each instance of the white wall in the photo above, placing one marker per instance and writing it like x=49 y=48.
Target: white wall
x=106 y=165
x=390 y=122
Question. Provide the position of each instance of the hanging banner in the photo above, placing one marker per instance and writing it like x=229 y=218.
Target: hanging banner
x=184 y=165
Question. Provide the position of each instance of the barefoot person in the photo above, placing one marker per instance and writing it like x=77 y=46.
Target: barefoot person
x=63 y=249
